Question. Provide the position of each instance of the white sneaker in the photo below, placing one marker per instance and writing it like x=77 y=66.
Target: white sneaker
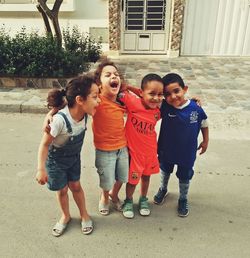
x=128 y=210
x=144 y=209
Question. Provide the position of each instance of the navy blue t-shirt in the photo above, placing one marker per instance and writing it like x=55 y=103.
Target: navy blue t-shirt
x=177 y=142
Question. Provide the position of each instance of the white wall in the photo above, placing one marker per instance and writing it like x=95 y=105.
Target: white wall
x=91 y=9
x=87 y=13
x=216 y=27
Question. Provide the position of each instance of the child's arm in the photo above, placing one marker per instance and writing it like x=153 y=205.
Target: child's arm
x=135 y=90
x=126 y=87
x=48 y=119
x=41 y=175
x=197 y=100
x=203 y=145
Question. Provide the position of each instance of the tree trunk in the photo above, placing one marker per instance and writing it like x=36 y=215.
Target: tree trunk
x=53 y=16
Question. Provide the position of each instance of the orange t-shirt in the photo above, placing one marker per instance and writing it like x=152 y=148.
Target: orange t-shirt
x=108 y=126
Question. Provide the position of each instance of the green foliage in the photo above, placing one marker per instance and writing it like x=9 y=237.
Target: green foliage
x=32 y=55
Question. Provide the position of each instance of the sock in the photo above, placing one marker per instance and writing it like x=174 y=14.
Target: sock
x=183 y=188
x=164 y=180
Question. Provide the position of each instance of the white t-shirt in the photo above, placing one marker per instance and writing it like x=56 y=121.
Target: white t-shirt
x=59 y=128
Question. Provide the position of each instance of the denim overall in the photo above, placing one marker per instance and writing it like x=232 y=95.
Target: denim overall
x=63 y=163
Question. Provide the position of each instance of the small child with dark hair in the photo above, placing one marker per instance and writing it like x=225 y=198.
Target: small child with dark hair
x=143 y=114
x=182 y=120
x=111 y=153
x=59 y=162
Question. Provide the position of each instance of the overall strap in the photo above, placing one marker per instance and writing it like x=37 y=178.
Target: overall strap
x=85 y=120
x=68 y=125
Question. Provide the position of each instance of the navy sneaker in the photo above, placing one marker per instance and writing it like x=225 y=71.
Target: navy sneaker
x=160 y=197
x=183 y=208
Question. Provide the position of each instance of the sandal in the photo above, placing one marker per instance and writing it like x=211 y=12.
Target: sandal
x=103 y=208
x=87 y=227
x=59 y=229
x=117 y=205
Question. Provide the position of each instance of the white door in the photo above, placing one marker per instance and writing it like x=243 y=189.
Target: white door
x=145 y=26
x=217 y=28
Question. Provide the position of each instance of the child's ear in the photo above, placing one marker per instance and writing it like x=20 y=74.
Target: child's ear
x=140 y=92
x=79 y=99
x=185 y=88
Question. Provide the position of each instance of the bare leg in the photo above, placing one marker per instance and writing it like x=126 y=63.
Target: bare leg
x=130 y=191
x=144 y=185
x=143 y=201
x=114 y=192
x=63 y=199
x=78 y=195
x=104 y=197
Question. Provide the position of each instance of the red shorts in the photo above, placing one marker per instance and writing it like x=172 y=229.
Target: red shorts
x=142 y=165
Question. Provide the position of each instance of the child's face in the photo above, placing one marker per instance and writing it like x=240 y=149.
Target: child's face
x=92 y=101
x=152 y=94
x=110 y=81
x=175 y=94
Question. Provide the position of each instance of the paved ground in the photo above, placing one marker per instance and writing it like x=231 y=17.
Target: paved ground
x=217 y=227
x=222 y=83
x=218 y=224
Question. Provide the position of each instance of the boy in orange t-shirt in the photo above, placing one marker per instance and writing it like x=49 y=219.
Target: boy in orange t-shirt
x=111 y=154
x=143 y=114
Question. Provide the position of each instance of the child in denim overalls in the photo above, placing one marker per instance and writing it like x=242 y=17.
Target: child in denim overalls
x=59 y=162
x=109 y=137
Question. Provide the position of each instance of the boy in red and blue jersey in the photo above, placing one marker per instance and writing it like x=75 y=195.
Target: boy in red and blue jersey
x=143 y=114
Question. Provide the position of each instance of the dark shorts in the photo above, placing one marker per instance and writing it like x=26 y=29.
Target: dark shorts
x=183 y=173
x=63 y=170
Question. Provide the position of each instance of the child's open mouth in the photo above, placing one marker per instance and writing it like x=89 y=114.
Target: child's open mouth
x=114 y=84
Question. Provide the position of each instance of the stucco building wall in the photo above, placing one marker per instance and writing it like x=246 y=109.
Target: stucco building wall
x=176 y=23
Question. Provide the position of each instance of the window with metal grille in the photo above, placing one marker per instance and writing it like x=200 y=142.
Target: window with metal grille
x=145 y=14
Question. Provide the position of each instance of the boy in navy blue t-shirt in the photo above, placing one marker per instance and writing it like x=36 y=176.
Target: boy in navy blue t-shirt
x=182 y=121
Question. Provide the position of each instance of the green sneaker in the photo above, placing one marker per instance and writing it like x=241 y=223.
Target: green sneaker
x=127 y=209
x=144 y=209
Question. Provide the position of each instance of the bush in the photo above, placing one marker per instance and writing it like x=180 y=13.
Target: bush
x=31 y=55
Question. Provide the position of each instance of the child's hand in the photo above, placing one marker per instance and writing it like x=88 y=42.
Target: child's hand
x=48 y=120
x=135 y=90
x=197 y=100
x=41 y=176
x=203 y=147
x=123 y=87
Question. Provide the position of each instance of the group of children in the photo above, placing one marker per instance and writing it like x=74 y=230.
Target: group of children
x=124 y=154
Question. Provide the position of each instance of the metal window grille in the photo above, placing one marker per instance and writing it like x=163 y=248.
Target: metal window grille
x=145 y=14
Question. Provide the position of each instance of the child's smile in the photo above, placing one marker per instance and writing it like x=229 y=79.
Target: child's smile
x=175 y=94
x=152 y=95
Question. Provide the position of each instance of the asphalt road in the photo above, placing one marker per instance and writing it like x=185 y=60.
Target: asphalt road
x=218 y=224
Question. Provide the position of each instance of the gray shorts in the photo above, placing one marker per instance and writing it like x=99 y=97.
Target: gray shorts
x=112 y=166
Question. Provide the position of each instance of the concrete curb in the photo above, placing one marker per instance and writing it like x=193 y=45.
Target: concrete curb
x=22 y=107
x=23 y=101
